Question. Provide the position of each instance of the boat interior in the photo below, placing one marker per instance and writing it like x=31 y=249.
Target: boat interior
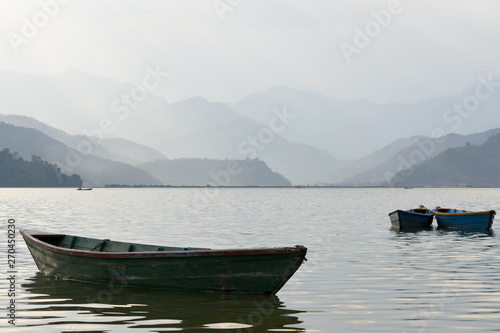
x=105 y=245
x=421 y=210
x=443 y=210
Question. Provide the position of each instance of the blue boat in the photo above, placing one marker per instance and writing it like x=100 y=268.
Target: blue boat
x=417 y=218
x=456 y=219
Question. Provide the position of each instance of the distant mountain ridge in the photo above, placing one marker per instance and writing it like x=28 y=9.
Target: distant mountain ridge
x=356 y=170
x=94 y=170
x=413 y=151
x=352 y=129
x=115 y=149
x=194 y=128
x=99 y=171
x=203 y=172
x=470 y=165
x=306 y=137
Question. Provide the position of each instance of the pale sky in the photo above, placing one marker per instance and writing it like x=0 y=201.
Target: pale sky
x=224 y=50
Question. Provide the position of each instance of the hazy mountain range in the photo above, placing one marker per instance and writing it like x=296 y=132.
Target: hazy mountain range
x=93 y=170
x=106 y=169
x=220 y=172
x=380 y=167
x=306 y=137
x=353 y=129
x=470 y=165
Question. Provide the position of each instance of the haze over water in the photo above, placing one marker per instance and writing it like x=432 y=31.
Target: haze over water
x=360 y=276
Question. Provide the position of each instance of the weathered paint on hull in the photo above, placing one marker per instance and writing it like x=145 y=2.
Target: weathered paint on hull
x=466 y=221
x=407 y=220
x=253 y=271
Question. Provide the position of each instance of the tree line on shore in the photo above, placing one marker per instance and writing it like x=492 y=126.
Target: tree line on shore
x=17 y=172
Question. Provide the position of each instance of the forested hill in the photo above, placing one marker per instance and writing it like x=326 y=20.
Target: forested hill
x=468 y=165
x=189 y=171
x=16 y=172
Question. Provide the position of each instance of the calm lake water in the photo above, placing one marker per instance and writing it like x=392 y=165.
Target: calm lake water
x=360 y=276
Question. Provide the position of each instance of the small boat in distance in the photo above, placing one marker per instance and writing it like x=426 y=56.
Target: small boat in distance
x=102 y=261
x=417 y=218
x=84 y=189
x=456 y=219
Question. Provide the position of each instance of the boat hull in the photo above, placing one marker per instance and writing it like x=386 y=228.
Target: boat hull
x=408 y=220
x=463 y=220
x=240 y=270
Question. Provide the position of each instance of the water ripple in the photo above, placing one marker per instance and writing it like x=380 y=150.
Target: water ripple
x=360 y=274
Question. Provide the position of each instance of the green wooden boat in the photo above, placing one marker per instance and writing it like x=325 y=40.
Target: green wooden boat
x=260 y=270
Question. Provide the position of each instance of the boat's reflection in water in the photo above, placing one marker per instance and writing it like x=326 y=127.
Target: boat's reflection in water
x=108 y=308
